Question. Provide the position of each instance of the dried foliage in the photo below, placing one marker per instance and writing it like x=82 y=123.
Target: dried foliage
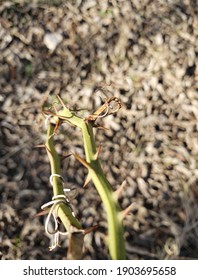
x=146 y=51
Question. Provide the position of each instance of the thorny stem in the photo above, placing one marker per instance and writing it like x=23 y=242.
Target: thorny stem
x=115 y=229
x=63 y=211
x=116 y=235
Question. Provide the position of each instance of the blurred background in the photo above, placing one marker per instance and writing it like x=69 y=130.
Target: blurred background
x=144 y=52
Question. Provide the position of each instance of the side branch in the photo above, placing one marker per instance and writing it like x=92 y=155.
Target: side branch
x=63 y=210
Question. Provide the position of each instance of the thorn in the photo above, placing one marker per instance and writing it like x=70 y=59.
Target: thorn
x=86 y=164
x=54 y=107
x=48 y=112
x=126 y=211
x=118 y=192
x=63 y=158
x=88 y=179
x=41 y=213
x=90 y=229
x=61 y=101
x=43 y=113
x=40 y=146
x=98 y=151
x=57 y=126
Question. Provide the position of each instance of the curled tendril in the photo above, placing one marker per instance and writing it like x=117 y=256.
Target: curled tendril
x=105 y=109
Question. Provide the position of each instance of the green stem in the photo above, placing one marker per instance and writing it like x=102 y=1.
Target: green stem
x=116 y=235
x=63 y=210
